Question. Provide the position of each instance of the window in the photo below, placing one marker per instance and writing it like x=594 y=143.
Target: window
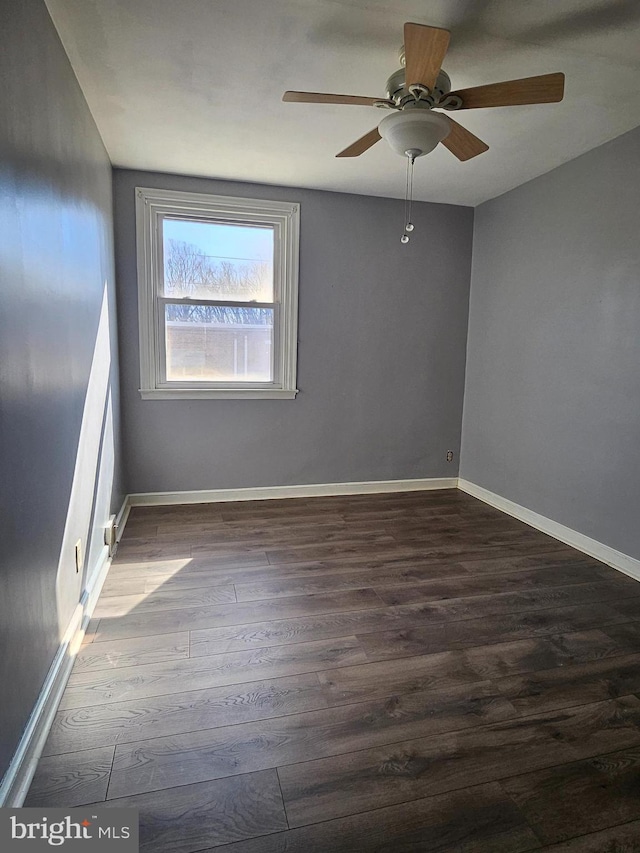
x=217 y=295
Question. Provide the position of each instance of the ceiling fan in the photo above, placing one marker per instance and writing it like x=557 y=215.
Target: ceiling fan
x=419 y=87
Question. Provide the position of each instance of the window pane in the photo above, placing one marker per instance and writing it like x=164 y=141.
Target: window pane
x=217 y=344
x=214 y=260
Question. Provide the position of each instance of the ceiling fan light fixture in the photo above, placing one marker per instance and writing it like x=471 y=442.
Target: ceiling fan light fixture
x=415 y=130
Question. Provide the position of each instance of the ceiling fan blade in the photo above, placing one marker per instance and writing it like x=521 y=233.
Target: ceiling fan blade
x=324 y=98
x=361 y=145
x=424 y=52
x=545 y=89
x=462 y=143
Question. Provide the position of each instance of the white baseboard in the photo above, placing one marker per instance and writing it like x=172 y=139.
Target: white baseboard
x=616 y=559
x=312 y=490
x=16 y=781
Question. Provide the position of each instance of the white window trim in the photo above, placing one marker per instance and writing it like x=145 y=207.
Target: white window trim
x=284 y=217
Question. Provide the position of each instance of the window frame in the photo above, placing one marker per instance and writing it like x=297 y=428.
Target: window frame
x=152 y=206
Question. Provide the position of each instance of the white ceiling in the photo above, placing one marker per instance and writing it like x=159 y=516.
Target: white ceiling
x=195 y=86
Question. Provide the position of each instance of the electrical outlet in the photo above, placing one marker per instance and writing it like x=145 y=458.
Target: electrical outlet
x=78 y=556
x=449 y=455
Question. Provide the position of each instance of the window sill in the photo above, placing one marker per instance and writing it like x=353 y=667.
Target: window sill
x=217 y=394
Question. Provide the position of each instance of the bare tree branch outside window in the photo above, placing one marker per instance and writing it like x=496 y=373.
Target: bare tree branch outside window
x=189 y=272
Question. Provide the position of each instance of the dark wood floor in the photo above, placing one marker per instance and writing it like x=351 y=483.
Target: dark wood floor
x=388 y=673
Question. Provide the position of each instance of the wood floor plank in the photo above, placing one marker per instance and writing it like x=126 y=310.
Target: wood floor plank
x=489 y=661
x=137 y=582
x=420 y=640
x=132 y=652
x=474 y=607
x=514 y=550
x=454 y=546
x=141 y=529
x=407 y=559
x=384 y=545
x=466 y=537
x=145 y=582
x=491 y=824
x=547 y=596
x=128 y=567
x=177 y=713
x=194 y=618
x=228 y=562
x=295 y=514
x=522 y=656
x=143 y=682
x=209 y=511
x=565 y=557
x=276 y=526
x=392 y=546
x=582 y=797
x=162 y=599
x=304 y=524
x=277 y=632
x=229 y=540
x=479 y=820
x=190 y=818
x=395 y=632
x=630 y=609
x=328 y=788
x=313 y=583
x=210 y=754
x=363 y=682
x=401 y=560
x=512 y=602
x=71 y=780
x=456 y=516
x=146 y=550
x=625 y=633
x=420 y=584
x=624 y=838
x=573 y=685
x=381 y=515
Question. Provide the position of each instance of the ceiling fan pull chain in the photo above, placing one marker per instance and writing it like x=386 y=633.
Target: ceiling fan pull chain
x=408 y=197
x=405 y=238
x=412 y=160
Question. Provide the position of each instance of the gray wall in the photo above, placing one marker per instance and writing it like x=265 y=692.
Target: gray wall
x=58 y=369
x=380 y=359
x=552 y=402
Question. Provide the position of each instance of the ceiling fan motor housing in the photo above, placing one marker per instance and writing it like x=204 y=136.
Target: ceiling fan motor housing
x=397 y=86
x=414 y=130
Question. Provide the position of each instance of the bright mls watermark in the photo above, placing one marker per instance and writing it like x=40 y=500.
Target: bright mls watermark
x=86 y=830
